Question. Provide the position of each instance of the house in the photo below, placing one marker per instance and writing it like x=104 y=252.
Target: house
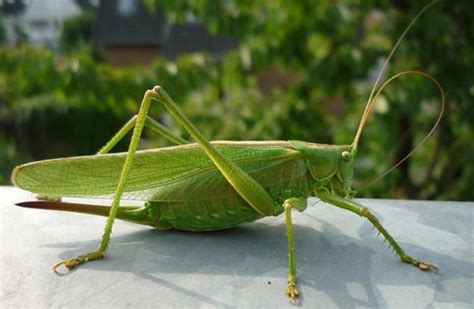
x=132 y=34
x=37 y=22
x=127 y=29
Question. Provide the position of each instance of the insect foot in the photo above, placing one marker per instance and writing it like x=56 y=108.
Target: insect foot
x=81 y=259
x=420 y=264
x=426 y=266
x=292 y=292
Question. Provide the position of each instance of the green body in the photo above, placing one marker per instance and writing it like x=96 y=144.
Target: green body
x=208 y=185
x=205 y=186
x=182 y=187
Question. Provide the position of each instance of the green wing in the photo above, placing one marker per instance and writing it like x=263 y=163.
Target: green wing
x=180 y=173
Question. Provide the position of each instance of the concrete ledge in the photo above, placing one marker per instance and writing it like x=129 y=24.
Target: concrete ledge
x=340 y=260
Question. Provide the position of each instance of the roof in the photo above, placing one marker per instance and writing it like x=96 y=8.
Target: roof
x=117 y=28
x=129 y=23
x=193 y=37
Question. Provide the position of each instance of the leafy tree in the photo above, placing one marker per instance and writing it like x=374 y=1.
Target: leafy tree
x=77 y=31
x=3 y=37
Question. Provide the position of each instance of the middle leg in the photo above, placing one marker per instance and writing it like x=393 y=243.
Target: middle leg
x=288 y=205
x=149 y=123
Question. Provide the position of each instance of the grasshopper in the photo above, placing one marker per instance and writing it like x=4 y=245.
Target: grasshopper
x=207 y=186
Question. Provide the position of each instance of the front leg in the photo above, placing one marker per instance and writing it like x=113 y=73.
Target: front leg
x=365 y=212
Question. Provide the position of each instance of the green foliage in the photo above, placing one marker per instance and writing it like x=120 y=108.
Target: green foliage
x=76 y=35
x=303 y=70
x=2 y=30
x=77 y=31
x=332 y=48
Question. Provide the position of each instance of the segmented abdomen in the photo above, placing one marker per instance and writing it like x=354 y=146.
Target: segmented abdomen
x=225 y=212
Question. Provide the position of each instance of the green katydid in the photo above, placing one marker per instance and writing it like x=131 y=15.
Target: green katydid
x=207 y=186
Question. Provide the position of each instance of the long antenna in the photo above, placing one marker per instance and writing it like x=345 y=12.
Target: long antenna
x=441 y=112
x=371 y=100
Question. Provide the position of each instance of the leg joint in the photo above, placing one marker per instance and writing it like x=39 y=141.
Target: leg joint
x=150 y=93
x=365 y=212
x=294 y=202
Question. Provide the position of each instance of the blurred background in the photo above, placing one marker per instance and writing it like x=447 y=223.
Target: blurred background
x=73 y=71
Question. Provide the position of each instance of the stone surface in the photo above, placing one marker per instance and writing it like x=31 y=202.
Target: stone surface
x=340 y=260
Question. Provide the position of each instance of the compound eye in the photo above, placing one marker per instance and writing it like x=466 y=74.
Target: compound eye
x=346 y=155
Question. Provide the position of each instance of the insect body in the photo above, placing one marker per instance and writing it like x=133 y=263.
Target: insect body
x=191 y=194
x=203 y=186
x=184 y=188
